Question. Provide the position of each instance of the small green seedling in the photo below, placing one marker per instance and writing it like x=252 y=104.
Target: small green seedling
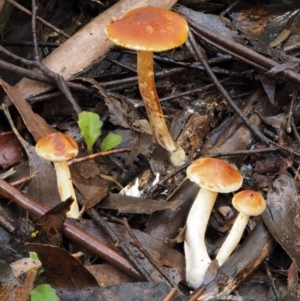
x=110 y=141
x=43 y=292
x=90 y=125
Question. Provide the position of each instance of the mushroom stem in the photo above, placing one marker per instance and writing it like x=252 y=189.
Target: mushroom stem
x=233 y=238
x=196 y=256
x=153 y=108
x=65 y=186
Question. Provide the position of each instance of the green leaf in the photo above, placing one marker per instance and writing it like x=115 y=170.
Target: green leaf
x=110 y=141
x=43 y=292
x=90 y=126
x=33 y=255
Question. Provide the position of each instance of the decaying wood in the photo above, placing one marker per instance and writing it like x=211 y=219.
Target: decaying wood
x=86 y=46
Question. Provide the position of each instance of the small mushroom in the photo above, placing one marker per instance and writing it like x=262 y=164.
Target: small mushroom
x=248 y=203
x=149 y=29
x=213 y=176
x=59 y=148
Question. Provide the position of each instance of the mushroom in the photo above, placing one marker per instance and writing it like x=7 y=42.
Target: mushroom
x=248 y=203
x=149 y=29
x=213 y=176
x=59 y=148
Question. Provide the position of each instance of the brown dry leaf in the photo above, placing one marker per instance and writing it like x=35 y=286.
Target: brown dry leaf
x=10 y=150
x=63 y=272
x=282 y=214
x=48 y=228
x=28 y=283
x=8 y=281
x=269 y=85
x=293 y=277
x=23 y=265
x=107 y=274
x=43 y=185
x=35 y=124
x=145 y=291
x=194 y=132
x=129 y=204
x=92 y=189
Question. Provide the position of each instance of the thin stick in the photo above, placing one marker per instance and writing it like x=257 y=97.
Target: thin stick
x=99 y=220
x=100 y=154
x=199 y=51
x=60 y=81
x=147 y=255
x=290 y=115
x=26 y=11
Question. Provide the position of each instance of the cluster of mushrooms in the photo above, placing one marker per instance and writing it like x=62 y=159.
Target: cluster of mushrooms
x=146 y=30
x=215 y=176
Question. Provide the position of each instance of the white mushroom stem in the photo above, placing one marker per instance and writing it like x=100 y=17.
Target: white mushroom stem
x=65 y=186
x=233 y=238
x=196 y=256
x=154 y=111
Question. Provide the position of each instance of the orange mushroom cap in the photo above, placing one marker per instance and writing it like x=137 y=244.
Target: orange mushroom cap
x=57 y=147
x=249 y=202
x=215 y=175
x=149 y=29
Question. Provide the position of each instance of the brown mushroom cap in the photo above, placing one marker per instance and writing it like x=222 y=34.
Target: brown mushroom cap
x=149 y=29
x=215 y=175
x=57 y=147
x=249 y=202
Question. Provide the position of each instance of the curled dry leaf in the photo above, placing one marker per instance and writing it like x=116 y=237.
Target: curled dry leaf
x=282 y=215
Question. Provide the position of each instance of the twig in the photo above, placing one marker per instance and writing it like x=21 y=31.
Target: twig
x=233 y=4
x=60 y=81
x=26 y=11
x=198 y=293
x=242 y=152
x=100 y=154
x=147 y=255
x=115 y=239
x=34 y=75
x=73 y=232
x=170 y=295
x=295 y=131
x=290 y=115
x=199 y=51
x=242 y=53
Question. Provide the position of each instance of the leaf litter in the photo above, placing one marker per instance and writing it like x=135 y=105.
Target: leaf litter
x=204 y=124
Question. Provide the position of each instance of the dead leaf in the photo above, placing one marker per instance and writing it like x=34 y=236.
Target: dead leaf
x=129 y=204
x=10 y=150
x=107 y=274
x=23 y=265
x=48 y=228
x=92 y=189
x=144 y=291
x=283 y=207
x=35 y=124
x=293 y=277
x=43 y=185
x=269 y=85
x=62 y=270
